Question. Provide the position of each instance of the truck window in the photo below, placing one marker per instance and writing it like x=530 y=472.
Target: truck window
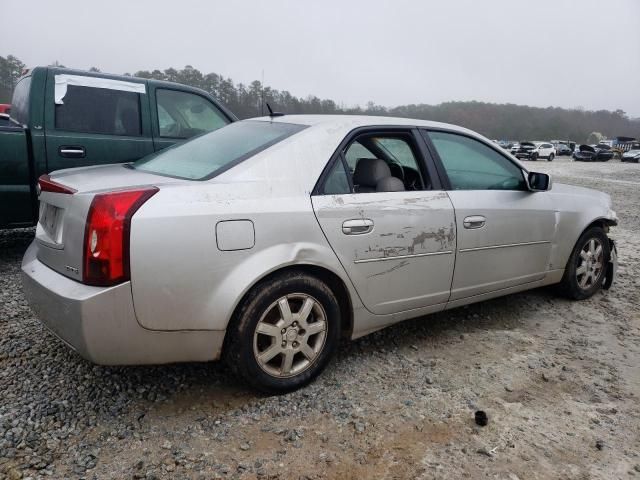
x=184 y=115
x=99 y=110
x=20 y=101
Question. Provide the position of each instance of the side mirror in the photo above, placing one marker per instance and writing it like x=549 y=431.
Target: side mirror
x=539 y=182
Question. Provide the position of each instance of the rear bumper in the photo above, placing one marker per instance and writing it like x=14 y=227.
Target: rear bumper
x=100 y=323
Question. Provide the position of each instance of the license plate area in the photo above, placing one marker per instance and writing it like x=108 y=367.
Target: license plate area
x=51 y=222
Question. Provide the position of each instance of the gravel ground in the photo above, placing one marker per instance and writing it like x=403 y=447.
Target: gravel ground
x=559 y=380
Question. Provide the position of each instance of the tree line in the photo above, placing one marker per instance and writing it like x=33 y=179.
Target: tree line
x=501 y=121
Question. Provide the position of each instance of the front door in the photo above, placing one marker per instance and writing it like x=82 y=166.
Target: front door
x=505 y=231
x=393 y=234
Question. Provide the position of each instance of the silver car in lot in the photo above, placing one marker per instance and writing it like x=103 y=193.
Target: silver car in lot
x=268 y=240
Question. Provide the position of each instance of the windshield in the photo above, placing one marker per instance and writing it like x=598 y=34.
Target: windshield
x=208 y=155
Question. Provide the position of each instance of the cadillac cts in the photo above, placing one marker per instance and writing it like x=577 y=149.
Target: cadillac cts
x=266 y=241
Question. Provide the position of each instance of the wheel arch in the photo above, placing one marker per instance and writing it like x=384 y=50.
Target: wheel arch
x=332 y=279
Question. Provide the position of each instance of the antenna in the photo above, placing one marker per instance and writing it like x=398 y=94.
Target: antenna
x=272 y=113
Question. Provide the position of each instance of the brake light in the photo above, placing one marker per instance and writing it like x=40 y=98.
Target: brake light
x=106 y=237
x=47 y=185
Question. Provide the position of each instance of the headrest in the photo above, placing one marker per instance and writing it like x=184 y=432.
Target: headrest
x=369 y=171
x=390 y=184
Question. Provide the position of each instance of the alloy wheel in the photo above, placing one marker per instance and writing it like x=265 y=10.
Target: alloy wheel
x=590 y=263
x=290 y=335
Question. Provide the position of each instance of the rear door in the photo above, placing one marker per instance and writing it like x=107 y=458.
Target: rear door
x=94 y=120
x=505 y=231
x=396 y=246
x=178 y=115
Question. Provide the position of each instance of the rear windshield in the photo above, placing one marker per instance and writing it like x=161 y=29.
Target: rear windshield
x=209 y=155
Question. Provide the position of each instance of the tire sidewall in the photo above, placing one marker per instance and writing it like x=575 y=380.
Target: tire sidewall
x=241 y=356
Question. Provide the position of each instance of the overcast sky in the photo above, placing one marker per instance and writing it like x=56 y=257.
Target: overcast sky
x=564 y=53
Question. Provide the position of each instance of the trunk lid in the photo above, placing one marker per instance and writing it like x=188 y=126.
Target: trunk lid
x=62 y=216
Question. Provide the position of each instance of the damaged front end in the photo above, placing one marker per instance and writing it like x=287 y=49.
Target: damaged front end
x=612 y=266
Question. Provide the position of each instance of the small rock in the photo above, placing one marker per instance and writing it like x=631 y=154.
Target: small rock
x=245 y=447
x=599 y=444
x=508 y=388
x=481 y=418
x=545 y=378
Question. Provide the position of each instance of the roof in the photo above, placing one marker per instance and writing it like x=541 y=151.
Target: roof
x=355 y=121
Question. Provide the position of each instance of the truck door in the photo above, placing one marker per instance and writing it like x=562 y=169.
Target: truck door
x=93 y=120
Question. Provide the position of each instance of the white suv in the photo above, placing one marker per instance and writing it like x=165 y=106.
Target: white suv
x=536 y=150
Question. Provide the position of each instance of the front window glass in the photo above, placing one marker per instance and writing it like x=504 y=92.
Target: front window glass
x=184 y=115
x=211 y=154
x=472 y=165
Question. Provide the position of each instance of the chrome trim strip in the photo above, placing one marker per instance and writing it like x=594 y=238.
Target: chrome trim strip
x=400 y=257
x=503 y=246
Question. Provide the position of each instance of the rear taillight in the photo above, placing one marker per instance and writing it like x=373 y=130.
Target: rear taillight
x=106 y=237
x=47 y=185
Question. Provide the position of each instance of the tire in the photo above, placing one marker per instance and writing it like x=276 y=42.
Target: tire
x=292 y=356
x=551 y=157
x=573 y=284
x=534 y=157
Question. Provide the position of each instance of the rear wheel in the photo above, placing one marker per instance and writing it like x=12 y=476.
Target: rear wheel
x=551 y=157
x=284 y=333
x=587 y=265
x=534 y=156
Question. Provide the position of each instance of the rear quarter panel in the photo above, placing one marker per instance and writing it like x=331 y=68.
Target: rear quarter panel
x=182 y=281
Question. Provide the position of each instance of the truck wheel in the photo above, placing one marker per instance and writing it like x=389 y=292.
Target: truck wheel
x=284 y=333
x=551 y=157
x=587 y=265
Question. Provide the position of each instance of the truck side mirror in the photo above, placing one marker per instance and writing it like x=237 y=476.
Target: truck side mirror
x=539 y=182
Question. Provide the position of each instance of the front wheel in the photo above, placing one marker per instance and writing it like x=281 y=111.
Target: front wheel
x=534 y=157
x=551 y=157
x=284 y=333
x=587 y=265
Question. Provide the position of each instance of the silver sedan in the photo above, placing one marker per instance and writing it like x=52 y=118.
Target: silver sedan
x=268 y=240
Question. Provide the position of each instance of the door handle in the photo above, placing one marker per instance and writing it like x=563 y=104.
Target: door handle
x=474 y=221
x=357 y=226
x=72 y=151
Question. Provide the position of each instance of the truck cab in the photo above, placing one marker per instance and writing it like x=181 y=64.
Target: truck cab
x=63 y=118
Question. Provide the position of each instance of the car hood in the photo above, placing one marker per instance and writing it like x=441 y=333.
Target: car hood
x=587 y=148
x=583 y=192
x=108 y=177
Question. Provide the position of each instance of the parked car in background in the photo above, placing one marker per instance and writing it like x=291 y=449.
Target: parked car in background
x=563 y=149
x=68 y=118
x=593 y=153
x=514 y=148
x=265 y=241
x=632 y=155
x=5 y=121
x=535 y=150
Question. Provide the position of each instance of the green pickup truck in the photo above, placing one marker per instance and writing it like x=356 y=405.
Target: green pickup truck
x=63 y=118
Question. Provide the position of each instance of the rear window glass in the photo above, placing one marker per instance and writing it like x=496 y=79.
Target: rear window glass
x=99 y=110
x=209 y=155
x=20 y=101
